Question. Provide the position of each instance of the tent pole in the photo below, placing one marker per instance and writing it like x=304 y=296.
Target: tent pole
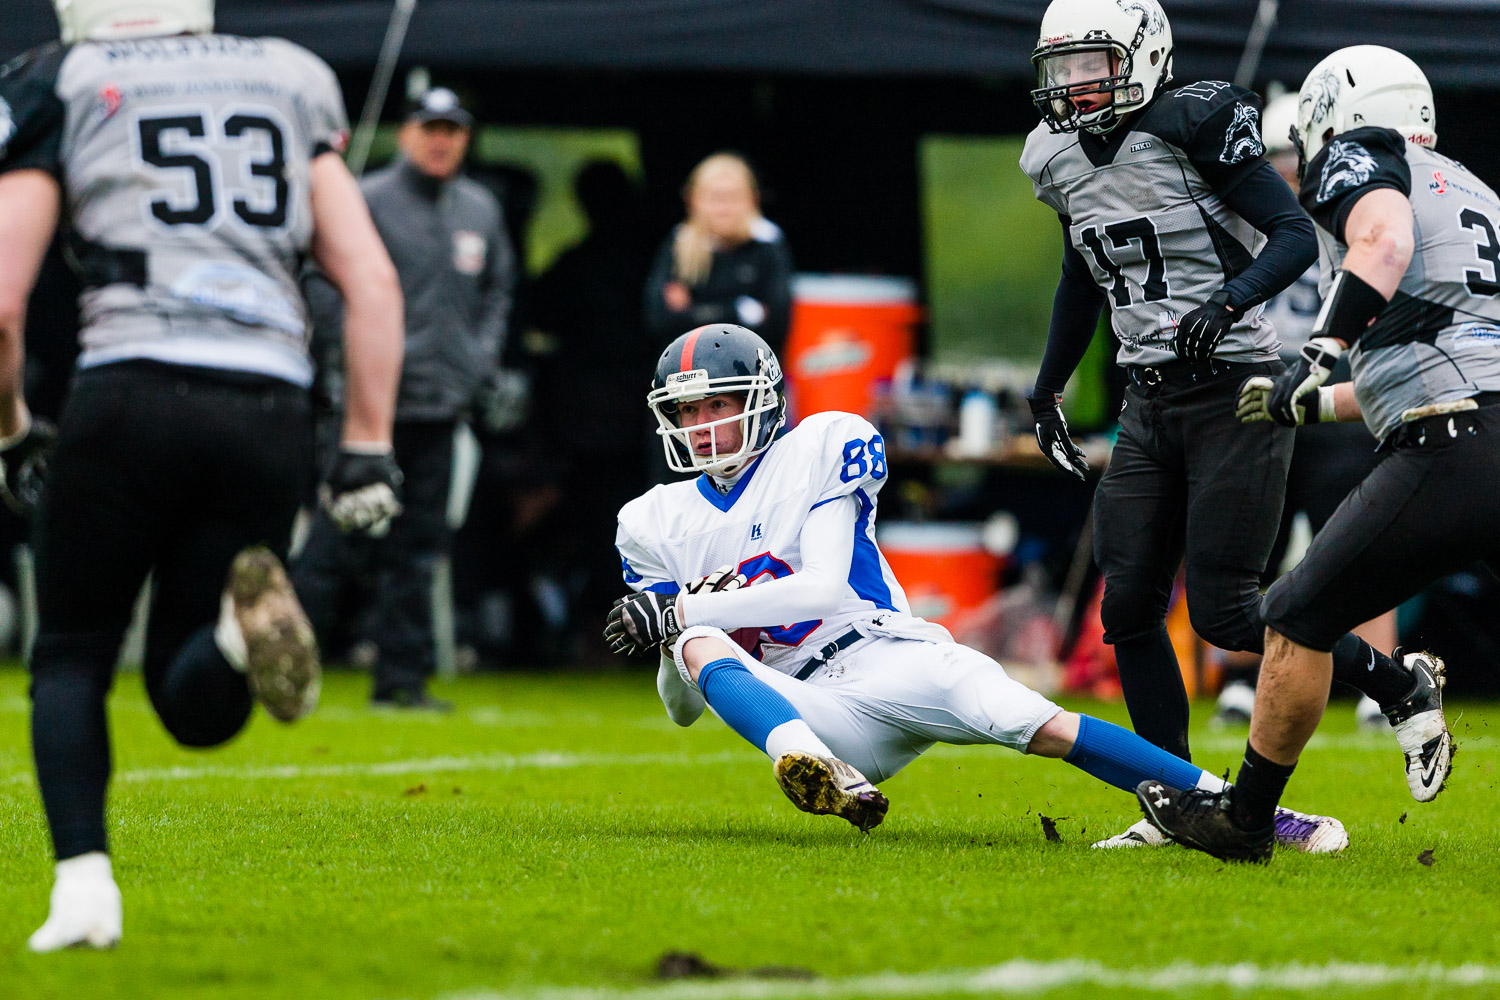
x=380 y=85
x=1255 y=44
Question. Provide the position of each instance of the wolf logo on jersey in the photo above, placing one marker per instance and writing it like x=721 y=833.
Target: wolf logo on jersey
x=1348 y=166
x=1242 y=139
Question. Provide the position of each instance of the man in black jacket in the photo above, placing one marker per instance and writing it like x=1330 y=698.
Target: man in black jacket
x=1171 y=214
x=447 y=238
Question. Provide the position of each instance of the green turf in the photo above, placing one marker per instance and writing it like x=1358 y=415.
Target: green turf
x=560 y=832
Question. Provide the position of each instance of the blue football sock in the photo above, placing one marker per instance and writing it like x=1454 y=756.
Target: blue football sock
x=1123 y=759
x=750 y=707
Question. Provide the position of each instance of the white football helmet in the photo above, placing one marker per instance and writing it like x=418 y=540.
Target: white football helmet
x=1365 y=85
x=1120 y=50
x=105 y=20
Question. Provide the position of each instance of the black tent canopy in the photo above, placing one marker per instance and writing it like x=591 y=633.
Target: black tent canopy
x=1457 y=42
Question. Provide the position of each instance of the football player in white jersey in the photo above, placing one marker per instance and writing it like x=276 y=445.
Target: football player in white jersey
x=192 y=173
x=781 y=528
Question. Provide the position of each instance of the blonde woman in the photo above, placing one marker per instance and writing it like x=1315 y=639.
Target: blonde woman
x=726 y=263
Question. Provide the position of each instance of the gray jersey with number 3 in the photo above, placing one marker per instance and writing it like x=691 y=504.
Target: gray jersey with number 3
x=185 y=162
x=1439 y=339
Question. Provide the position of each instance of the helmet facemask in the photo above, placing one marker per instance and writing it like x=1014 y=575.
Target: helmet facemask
x=1088 y=68
x=764 y=413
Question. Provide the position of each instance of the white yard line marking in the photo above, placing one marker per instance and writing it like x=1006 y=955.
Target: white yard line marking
x=421 y=765
x=1021 y=976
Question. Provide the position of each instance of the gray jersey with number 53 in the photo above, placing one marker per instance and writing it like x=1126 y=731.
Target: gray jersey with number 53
x=185 y=163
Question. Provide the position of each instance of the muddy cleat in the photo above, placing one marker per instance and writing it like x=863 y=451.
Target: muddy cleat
x=1142 y=834
x=1201 y=820
x=1309 y=834
x=275 y=640
x=1236 y=702
x=826 y=786
x=85 y=909
x=1420 y=727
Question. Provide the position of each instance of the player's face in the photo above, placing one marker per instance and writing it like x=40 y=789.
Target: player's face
x=1078 y=69
x=436 y=148
x=726 y=436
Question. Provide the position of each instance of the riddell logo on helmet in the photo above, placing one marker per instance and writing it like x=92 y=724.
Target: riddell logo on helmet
x=1055 y=39
x=1422 y=139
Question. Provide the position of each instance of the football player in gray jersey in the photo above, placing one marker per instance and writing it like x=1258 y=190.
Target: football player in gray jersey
x=191 y=172
x=1171 y=216
x=1411 y=276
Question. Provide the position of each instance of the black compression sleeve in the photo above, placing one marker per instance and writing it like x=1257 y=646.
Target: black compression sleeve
x=1075 y=314
x=1264 y=200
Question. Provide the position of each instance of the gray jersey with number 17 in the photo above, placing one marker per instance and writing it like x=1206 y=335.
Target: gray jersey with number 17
x=185 y=162
x=1143 y=207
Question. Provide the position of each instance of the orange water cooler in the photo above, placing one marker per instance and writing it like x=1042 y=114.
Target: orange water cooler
x=847 y=333
x=945 y=568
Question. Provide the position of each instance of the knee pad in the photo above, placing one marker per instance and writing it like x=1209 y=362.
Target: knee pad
x=1129 y=615
x=88 y=652
x=698 y=632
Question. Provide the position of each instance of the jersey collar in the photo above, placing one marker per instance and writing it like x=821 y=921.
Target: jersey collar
x=724 y=501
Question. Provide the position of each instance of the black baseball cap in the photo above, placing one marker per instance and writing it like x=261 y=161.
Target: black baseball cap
x=440 y=105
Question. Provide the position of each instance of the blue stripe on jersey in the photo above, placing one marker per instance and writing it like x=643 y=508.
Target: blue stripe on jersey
x=822 y=502
x=864 y=569
x=724 y=501
x=664 y=588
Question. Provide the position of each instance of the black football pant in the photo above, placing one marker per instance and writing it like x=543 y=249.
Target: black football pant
x=401 y=563
x=1427 y=510
x=168 y=471
x=1187 y=482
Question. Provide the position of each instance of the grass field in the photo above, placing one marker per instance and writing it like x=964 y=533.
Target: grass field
x=556 y=835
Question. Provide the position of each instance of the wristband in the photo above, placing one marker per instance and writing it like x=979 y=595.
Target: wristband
x=1351 y=304
x=1326 y=413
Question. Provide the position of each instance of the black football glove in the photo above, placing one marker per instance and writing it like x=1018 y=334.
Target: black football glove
x=1052 y=436
x=1201 y=331
x=639 y=621
x=23 y=462
x=363 y=492
x=1291 y=390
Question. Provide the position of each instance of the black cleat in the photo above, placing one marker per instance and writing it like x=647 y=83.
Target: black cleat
x=1201 y=820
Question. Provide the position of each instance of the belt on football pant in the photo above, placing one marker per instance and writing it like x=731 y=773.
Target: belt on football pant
x=828 y=652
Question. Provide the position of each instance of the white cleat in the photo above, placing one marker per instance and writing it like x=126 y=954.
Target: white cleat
x=275 y=640
x=826 y=786
x=1142 y=834
x=1367 y=714
x=85 y=909
x=1310 y=834
x=1421 y=729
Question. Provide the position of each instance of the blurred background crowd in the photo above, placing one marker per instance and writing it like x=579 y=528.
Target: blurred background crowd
x=832 y=177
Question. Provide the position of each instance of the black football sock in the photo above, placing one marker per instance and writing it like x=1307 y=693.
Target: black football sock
x=1362 y=666
x=201 y=699
x=1154 y=693
x=70 y=740
x=1257 y=789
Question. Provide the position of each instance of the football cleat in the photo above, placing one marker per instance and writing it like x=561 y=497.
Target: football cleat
x=1310 y=834
x=1420 y=727
x=1367 y=714
x=85 y=910
x=826 y=786
x=280 y=650
x=1201 y=820
x=1142 y=834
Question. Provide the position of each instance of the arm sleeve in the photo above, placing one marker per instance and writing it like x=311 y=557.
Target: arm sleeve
x=1263 y=199
x=814 y=591
x=32 y=116
x=1075 y=315
x=495 y=306
x=1347 y=168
